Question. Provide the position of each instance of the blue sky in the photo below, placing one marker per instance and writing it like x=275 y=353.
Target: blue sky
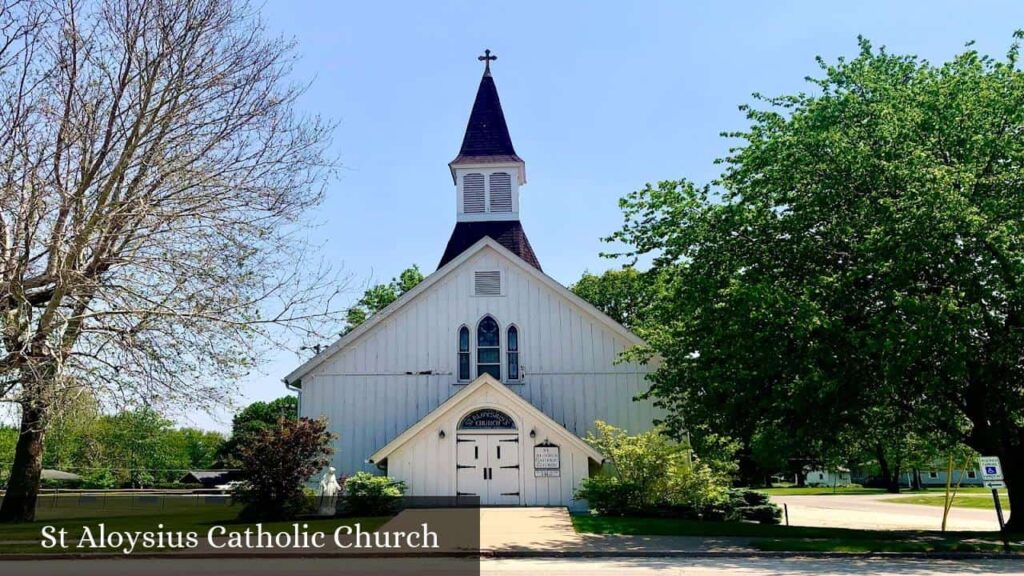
x=600 y=98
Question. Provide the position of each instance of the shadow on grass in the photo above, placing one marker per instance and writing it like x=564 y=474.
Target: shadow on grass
x=771 y=537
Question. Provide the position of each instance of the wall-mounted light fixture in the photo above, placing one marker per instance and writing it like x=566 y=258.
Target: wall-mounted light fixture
x=441 y=434
x=533 y=433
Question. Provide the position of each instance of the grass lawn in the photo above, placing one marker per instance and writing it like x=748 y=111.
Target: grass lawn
x=821 y=491
x=799 y=538
x=25 y=538
x=857 y=490
x=970 y=500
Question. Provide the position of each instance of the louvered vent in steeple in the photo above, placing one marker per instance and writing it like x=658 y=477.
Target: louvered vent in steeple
x=501 y=192
x=473 y=193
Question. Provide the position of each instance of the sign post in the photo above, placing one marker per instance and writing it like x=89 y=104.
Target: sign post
x=992 y=477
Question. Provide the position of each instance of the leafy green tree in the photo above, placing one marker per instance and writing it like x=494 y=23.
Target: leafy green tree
x=626 y=295
x=71 y=441
x=8 y=439
x=130 y=448
x=200 y=446
x=253 y=419
x=859 y=268
x=376 y=298
x=141 y=448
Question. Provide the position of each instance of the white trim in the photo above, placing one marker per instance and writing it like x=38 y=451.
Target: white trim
x=486 y=216
x=429 y=281
x=519 y=168
x=518 y=403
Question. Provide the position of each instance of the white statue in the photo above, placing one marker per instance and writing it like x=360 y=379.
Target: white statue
x=329 y=489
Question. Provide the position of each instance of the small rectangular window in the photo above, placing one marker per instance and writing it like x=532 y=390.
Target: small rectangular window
x=972 y=474
x=933 y=474
x=487 y=356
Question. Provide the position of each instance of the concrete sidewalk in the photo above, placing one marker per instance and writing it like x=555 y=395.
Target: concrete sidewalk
x=550 y=530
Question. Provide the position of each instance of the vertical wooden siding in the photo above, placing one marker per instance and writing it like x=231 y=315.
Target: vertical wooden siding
x=384 y=382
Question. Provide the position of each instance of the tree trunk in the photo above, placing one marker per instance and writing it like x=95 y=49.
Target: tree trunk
x=883 y=465
x=1013 y=475
x=917 y=484
x=894 y=482
x=19 y=503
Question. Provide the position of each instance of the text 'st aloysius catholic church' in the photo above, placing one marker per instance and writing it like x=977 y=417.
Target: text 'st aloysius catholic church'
x=481 y=380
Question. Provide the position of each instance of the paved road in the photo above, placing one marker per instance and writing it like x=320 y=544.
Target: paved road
x=563 y=567
x=880 y=512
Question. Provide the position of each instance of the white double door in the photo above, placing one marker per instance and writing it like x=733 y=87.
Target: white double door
x=487 y=465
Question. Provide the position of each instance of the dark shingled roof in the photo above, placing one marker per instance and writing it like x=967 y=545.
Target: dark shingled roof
x=486 y=133
x=508 y=233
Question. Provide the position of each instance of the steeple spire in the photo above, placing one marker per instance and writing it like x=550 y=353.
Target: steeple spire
x=487 y=136
x=488 y=174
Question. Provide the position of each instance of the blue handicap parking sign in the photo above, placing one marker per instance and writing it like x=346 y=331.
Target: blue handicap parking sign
x=990 y=469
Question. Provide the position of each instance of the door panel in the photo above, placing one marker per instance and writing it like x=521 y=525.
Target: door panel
x=503 y=460
x=469 y=468
x=487 y=465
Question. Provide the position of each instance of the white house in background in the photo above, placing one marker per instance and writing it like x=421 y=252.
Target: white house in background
x=835 y=477
x=483 y=378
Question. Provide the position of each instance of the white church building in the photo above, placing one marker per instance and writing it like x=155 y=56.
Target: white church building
x=483 y=379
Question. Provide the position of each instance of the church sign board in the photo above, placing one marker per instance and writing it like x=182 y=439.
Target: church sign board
x=547 y=460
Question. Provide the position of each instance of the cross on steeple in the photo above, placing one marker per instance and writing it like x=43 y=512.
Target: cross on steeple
x=486 y=59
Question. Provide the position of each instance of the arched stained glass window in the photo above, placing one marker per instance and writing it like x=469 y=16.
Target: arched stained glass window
x=463 y=353
x=512 y=344
x=488 y=348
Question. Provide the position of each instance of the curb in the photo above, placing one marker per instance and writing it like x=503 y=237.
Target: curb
x=533 y=554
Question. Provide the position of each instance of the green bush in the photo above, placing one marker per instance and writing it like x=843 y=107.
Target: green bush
x=751 y=506
x=696 y=486
x=610 y=495
x=369 y=495
x=102 y=478
x=765 y=514
x=649 y=475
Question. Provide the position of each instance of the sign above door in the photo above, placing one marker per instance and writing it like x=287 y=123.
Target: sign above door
x=487 y=419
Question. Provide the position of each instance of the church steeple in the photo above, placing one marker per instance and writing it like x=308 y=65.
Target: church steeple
x=488 y=174
x=487 y=140
x=487 y=137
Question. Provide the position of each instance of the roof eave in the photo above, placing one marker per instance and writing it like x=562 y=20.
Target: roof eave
x=512 y=160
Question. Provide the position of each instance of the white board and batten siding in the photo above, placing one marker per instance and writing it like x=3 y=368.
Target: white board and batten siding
x=392 y=375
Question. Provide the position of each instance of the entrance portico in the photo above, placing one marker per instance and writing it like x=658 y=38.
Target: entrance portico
x=488 y=442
